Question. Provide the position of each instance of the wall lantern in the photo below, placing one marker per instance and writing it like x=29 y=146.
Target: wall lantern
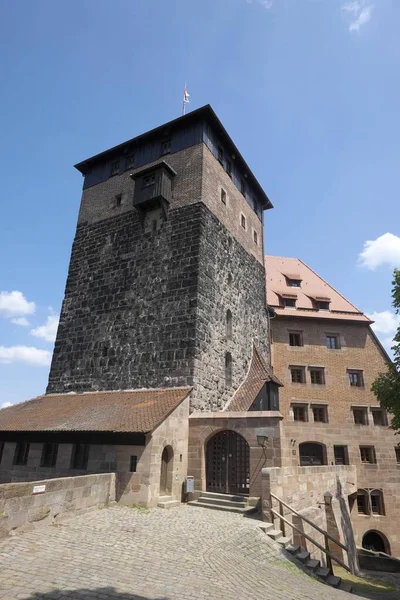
x=328 y=498
x=262 y=440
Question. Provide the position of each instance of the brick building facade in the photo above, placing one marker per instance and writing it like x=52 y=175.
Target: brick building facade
x=327 y=357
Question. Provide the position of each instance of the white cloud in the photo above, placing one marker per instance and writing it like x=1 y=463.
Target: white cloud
x=15 y=304
x=385 y=326
x=48 y=331
x=6 y=405
x=20 y=321
x=25 y=354
x=385 y=250
x=360 y=11
x=386 y=321
x=265 y=3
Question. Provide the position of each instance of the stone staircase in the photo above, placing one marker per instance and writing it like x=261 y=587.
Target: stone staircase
x=311 y=565
x=167 y=502
x=237 y=504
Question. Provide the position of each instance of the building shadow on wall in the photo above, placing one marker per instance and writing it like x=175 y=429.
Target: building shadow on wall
x=106 y=593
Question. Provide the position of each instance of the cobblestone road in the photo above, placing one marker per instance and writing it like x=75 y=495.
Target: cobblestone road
x=184 y=553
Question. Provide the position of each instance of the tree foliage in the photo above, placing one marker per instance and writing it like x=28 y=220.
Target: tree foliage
x=387 y=385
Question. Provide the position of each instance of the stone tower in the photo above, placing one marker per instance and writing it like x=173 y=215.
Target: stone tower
x=166 y=283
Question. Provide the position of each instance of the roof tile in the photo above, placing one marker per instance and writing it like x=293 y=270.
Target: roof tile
x=313 y=287
x=116 y=411
x=259 y=373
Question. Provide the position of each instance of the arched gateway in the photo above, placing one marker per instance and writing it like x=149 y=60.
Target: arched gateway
x=376 y=541
x=227 y=463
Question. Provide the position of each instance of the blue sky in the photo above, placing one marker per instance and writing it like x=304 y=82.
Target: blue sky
x=308 y=90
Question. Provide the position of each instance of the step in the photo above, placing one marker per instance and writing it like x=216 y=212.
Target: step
x=231 y=497
x=265 y=527
x=275 y=534
x=323 y=572
x=293 y=549
x=284 y=541
x=303 y=556
x=168 y=503
x=313 y=564
x=333 y=581
x=222 y=502
x=243 y=511
x=346 y=586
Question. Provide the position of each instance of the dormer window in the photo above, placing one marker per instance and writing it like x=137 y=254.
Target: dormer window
x=294 y=282
x=229 y=168
x=289 y=302
x=322 y=305
x=220 y=155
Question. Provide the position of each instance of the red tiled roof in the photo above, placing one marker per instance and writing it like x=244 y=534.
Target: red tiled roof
x=259 y=373
x=313 y=287
x=119 y=411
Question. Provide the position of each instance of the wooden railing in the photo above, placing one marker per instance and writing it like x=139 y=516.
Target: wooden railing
x=329 y=556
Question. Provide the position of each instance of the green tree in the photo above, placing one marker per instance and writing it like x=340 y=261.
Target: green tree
x=387 y=385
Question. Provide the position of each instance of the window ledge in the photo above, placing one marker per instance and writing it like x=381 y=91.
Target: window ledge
x=301 y=403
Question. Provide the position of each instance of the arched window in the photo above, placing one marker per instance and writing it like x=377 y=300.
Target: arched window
x=228 y=325
x=375 y=541
x=228 y=370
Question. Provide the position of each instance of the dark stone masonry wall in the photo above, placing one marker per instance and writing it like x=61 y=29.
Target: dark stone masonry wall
x=128 y=316
x=148 y=309
x=229 y=279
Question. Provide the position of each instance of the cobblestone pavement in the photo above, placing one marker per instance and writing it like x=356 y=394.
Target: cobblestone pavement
x=185 y=553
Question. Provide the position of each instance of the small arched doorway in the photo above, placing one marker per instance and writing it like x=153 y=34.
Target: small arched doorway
x=312 y=454
x=375 y=541
x=166 y=471
x=227 y=463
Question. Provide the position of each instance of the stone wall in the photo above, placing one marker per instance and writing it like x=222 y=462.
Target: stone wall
x=303 y=489
x=228 y=279
x=128 y=316
x=149 y=310
x=384 y=475
x=26 y=506
x=143 y=487
x=230 y=214
x=103 y=458
x=202 y=427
